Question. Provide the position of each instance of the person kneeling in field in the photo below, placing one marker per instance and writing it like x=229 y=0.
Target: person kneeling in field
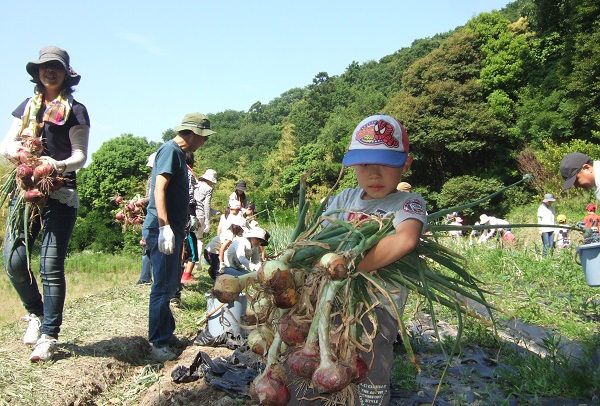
x=378 y=153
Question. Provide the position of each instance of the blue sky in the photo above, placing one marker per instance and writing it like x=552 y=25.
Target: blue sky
x=144 y=64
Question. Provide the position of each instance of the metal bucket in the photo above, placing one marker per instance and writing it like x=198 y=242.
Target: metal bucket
x=227 y=317
x=589 y=259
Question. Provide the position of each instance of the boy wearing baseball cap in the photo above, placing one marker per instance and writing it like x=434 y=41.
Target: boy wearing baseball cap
x=378 y=153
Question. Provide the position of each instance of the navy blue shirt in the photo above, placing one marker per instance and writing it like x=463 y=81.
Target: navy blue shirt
x=55 y=138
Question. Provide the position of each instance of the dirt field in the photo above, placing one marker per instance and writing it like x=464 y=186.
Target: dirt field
x=103 y=361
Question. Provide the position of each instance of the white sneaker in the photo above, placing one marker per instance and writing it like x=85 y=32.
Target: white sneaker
x=44 y=349
x=162 y=354
x=32 y=335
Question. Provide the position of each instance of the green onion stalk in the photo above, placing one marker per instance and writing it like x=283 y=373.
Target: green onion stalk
x=322 y=258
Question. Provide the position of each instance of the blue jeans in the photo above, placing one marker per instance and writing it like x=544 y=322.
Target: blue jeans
x=165 y=271
x=58 y=221
x=234 y=272
x=146 y=274
x=548 y=243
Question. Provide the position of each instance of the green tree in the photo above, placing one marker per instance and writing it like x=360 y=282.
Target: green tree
x=118 y=168
x=168 y=135
x=451 y=127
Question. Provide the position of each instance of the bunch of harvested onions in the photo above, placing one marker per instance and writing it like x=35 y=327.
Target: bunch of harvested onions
x=29 y=184
x=318 y=271
x=131 y=212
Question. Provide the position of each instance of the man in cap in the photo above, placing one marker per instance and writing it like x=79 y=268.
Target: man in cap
x=164 y=227
x=578 y=169
x=545 y=216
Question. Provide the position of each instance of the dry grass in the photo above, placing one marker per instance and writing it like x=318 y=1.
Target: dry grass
x=86 y=273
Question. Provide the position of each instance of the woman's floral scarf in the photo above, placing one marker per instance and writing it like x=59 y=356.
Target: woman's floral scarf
x=57 y=113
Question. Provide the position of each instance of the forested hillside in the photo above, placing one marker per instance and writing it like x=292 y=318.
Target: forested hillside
x=508 y=93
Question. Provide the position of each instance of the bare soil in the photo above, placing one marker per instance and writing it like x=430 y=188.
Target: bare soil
x=103 y=360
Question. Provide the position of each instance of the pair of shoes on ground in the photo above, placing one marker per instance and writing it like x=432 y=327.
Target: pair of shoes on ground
x=163 y=354
x=45 y=345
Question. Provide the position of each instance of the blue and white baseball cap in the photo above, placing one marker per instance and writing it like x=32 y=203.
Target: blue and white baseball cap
x=378 y=140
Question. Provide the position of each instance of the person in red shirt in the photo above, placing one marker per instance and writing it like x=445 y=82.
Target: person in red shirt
x=592 y=219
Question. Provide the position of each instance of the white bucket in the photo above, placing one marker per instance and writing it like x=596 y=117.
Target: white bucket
x=227 y=317
x=590 y=261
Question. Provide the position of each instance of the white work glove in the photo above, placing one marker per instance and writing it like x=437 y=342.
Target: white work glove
x=193 y=222
x=221 y=268
x=59 y=166
x=166 y=240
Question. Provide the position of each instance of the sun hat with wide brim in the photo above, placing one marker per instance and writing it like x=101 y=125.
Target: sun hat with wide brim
x=548 y=197
x=49 y=54
x=241 y=185
x=209 y=175
x=197 y=123
x=257 y=232
x=151 y=159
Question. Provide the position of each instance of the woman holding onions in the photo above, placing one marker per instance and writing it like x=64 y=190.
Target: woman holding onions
x=49 y=134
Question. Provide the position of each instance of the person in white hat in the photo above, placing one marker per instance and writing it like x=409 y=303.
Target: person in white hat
x=458 y=221
x=203 y=196
x=486 y=220
x=244 y=254
x=234 y=208
x=379 y=155
x=545 y=216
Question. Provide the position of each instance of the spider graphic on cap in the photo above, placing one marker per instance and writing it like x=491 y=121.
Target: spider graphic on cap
x=384 y=132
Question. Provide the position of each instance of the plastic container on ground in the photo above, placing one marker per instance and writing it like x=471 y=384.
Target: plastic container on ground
x=589 y=255
x=227 y=317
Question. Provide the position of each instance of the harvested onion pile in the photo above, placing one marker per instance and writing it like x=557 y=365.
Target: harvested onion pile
x=35 y=178
x=307 y=306
x=131 y=212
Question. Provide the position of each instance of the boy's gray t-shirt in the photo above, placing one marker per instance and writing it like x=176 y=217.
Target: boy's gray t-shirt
x=400 y=205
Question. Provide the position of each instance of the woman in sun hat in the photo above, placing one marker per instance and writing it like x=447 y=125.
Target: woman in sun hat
x=55 y=127
x=239 y=193
x=244 y=253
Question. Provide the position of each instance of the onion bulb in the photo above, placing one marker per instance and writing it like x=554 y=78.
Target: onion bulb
x=335 y=265
x=35 y=196
x=293 y=332
x=227 y=288
x=260 y=340
x=269 y=388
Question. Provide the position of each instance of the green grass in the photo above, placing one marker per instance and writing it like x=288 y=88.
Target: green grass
x=86 y=273
x=550 y=293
